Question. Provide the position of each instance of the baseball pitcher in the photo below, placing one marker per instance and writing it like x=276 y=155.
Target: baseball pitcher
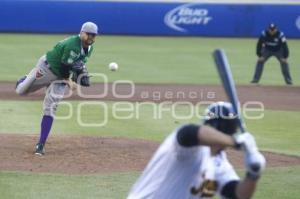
x=53 y=70
x=191 y=162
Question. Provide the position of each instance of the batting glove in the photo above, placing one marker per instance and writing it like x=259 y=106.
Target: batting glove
x=246 y=142
x=255 y=164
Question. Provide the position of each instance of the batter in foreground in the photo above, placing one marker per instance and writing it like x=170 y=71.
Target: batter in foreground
x=191 y=163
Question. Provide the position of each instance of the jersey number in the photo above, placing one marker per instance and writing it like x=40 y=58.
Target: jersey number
x=207 y=189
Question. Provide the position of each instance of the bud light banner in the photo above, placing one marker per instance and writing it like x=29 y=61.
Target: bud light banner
x=148 y=18
x=186 y=17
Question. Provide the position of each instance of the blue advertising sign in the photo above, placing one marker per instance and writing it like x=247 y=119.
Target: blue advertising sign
x=145 y=18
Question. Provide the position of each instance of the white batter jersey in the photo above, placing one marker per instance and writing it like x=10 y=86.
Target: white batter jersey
x=177 y=172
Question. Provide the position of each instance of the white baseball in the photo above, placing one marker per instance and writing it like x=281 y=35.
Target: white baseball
x=113 y=66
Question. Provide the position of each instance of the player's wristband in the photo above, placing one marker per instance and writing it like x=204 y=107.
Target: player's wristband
x=237 y=145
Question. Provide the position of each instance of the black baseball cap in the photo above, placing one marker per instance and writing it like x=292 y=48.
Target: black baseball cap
x=272 y=26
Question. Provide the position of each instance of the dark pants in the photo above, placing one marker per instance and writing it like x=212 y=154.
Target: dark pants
x=266 y=54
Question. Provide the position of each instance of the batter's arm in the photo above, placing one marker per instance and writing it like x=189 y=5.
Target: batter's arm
x=243 y=189
x=193 y=135
x=246 y=188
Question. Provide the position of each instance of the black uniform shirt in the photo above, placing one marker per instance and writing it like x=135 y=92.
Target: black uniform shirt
x=272 y=43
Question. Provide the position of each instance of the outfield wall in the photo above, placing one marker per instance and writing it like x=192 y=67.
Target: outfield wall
x=148 y=18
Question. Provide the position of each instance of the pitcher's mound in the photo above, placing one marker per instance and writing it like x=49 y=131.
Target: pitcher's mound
x=89 y=155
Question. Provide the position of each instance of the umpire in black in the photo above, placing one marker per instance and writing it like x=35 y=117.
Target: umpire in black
x=272 y=42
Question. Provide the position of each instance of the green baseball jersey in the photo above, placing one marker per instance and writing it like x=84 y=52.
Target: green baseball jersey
x=68 y=52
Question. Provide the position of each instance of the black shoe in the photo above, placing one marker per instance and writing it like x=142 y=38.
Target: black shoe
x=254 y=82
x=20 y=81
x=289 y=83
x=39 y=149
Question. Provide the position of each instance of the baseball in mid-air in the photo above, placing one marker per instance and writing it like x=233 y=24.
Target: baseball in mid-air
x=113 y=66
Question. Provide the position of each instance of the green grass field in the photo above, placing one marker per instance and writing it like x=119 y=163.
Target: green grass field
x=147 y=60
x=117 y=185
x=163 y=59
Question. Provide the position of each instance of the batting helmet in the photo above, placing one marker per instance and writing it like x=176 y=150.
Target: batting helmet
x=221 y=116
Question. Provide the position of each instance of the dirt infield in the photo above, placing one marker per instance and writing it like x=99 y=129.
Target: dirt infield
x=272 y=97
x=90 y=155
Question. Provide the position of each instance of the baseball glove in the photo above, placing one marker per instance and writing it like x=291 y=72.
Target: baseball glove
x=78 y=66
x=81 y=77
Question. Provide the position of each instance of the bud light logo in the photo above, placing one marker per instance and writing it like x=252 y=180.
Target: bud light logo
x=298 y=22
x=187 y=15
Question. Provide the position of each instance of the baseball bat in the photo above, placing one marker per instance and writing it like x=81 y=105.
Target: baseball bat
x=225 y=74
x=224 y=71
